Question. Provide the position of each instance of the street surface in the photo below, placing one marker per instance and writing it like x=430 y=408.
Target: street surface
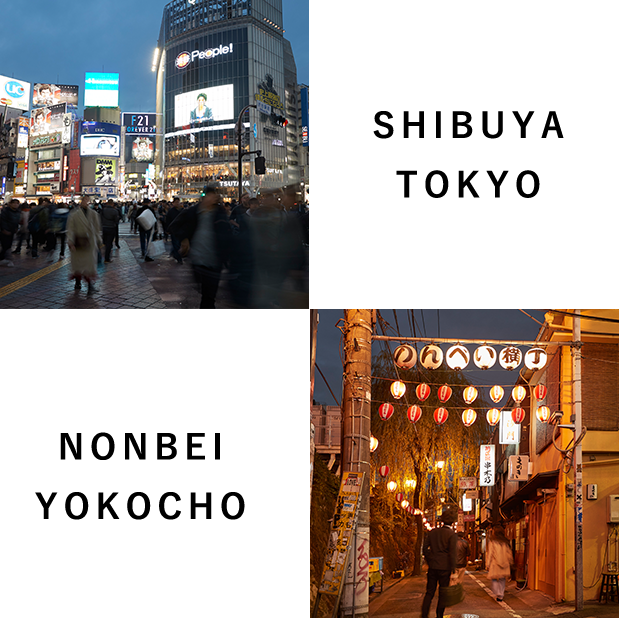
x=127 y=282
x=403 y=599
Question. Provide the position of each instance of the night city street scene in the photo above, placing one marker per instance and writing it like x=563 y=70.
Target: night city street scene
x=464 y=463
x=158 y=158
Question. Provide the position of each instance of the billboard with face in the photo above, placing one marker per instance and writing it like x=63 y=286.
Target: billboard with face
x=100 y=144
x=52 y=94
x=105 y=171
x=101 y=90
x=14 y=93
x=140 y=149
x=47 y=120
x=198 y=107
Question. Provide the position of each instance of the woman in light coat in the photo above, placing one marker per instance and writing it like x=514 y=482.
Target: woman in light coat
x=499 y=561
x=84 y=240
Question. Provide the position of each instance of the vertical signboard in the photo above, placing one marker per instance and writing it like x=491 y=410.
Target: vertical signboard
x=305 y=139
x=509 y=432
x=517 y=467
x=487 y=466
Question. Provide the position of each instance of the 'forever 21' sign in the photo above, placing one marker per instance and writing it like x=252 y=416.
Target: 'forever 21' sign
x=140 y=123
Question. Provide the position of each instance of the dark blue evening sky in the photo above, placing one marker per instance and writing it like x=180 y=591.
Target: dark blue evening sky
x=54 y=41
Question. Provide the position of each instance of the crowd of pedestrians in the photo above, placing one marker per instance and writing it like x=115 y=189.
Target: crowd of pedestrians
x=259 y=242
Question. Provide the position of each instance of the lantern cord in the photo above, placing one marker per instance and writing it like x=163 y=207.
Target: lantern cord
x=568 y=452
x=326 y=383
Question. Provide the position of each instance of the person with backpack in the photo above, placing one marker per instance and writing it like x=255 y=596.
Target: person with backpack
x=499 y=561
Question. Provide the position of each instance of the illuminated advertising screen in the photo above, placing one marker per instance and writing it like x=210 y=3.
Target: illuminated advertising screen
x=105 y=171
x=46 y=94
x=140 y=149
x=140 y=123
x=100 y=145
x=22 y=136
x=47 y=120
x=198 y=107
x=101 y=90
x=14 y=93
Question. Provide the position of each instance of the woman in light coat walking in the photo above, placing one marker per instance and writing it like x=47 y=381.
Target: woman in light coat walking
x=499 y=561
x=84 y=239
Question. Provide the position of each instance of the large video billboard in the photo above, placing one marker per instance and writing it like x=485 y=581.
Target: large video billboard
x=140 y=149
x=14 y=93
x=47 y=120
x=207 y=104
x=101 y=90
x=47 y=94
x=105 y=172
x=106 y=145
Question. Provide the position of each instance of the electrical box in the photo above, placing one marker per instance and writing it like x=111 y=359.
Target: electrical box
x=612 y=509
x=591 y=490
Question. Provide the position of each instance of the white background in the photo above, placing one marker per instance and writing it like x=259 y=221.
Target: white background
x=242 y=374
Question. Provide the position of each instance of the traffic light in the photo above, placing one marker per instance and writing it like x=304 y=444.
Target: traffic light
x=279 y=120
x=10 y=169
x=259 y=165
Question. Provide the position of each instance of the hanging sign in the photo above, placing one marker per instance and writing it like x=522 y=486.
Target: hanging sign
x=487 y=466
x=517 y=467
x=468 y=483
x=509 y=430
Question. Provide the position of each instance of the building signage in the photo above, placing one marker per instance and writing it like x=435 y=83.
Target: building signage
x=517 y=467
x=49 y=140
x=487 y=466
x=101 y=90
x=184 y=59
x=52 y=94
x=140 y=123
x=105 y=171
x=94 y=127
x=509 y=432
x=468 y=483
x=14 y=93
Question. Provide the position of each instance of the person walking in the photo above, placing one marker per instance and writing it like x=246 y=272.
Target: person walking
x=172 y=214
x=462 y=553
x=440 y=553
x=23 y=232
x=10 y=219
x=499 y=561
x=38 y=225
x=84 y=239
x=145 y=233
x=109 y=227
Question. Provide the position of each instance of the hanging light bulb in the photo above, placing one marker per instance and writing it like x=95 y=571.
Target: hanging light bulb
x=496 y=393
x=470 y=394
x=518 y=415
x=519 y=393
x=469 y=417
x=391 y=486
x=493 y=416
x=485 y=357
x=543 y=413
x=414 y=413
x=374 y=443
x=398 y=389
x=405 y=356
x=540 y=391
x=385 y=411
x=457 y=357
x=535 y=359
x=444 y=393
x=422 y=392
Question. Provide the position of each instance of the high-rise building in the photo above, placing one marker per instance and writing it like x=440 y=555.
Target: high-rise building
x=215 y=58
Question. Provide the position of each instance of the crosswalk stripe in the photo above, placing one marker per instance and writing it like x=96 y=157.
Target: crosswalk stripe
x=33 y=277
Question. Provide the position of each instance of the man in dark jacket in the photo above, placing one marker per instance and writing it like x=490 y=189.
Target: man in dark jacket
x=10 y=218
x=173 y=213
x=440 y=553
x=109 y=227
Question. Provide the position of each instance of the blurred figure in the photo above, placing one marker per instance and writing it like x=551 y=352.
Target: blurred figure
x=84 y=239
x=109 y=227
x=145 y=234
x=462 y=552
x=10 y=219
x=38 y=225
x=499 y=561
x=205 y=234
x=59 y=226
x=23 y=232
x=173 y=212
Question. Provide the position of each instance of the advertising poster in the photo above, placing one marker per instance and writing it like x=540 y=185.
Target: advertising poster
x=197 y=107
x=101 y=90
x=22 y=138
x=46 y=94
x=14 y=93
x=48 y=120
x=74 y=170
x=100 y=144
x=105 y=171
x=140 y=149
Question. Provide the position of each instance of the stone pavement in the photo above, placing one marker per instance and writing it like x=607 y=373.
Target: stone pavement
x=126 y=282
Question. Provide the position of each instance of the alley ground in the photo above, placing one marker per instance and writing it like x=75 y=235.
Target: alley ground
x=402 y=598
x=126 y=282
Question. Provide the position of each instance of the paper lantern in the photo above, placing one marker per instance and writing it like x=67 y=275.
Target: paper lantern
x=470 y=394
x=444 y=393
x=414 y=413
x=543 y=413
x=398 y=388
x=405 y=356
x=385 y=411
x=457 y=357
x=540 y=391
x=518 y=415
x=510 y=358
x=374 y=443
x=405 y=504
x=519 y=393
x=469 y=417
x=440 y=415
x=431 y=356
x=422 y=392
x=493 y=416
x=391 y=485
x=485 y=357
x=399 y=497
x=384 y=470
x=496 y=393
x=535 y=358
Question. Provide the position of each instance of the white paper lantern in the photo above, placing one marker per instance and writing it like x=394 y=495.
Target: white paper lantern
x=485 y=357
x=405 y=356
x=431 y=357
x=535 y=358
x=457 y=357
x=510 y=358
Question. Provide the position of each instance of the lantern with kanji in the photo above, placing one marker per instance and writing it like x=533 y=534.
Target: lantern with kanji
x=397 y=388
x=405 y=356
x=444 y=393
x=440 y=415
x=543 y=413
x=496 y=393
x=414 y=413
x=422 y=392
x=535 y=358
x=493 y=416
x=399 y=497
x=374 y=443
x=540 y=391
x=385 y=411
x=519 y=393
x=470 y=393
x=431 y=357
x=469 y=417
x=518 y=415
x=510 y=358
x=384 y=470
x=457 y=357
x=485 y=357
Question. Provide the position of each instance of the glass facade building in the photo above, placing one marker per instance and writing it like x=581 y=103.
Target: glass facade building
x=216 y=57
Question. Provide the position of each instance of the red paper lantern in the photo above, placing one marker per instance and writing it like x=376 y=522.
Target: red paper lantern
x=440 y=415
x=543 y=413
x=519 y=393
x=399 y=497
x=444 y=393
x=385 y=411
x=540 y=391
x=518 y=415
x=470 y=394
x=469 y=417
x=497 y=393
x=414 y=413
x=493 y=416
x=422 y=392
x=384 y=470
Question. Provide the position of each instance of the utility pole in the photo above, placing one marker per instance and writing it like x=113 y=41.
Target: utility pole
x=239 y=129
x=358 y=329
x=578 y=462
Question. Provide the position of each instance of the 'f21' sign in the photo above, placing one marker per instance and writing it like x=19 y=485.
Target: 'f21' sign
x=487 y=466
